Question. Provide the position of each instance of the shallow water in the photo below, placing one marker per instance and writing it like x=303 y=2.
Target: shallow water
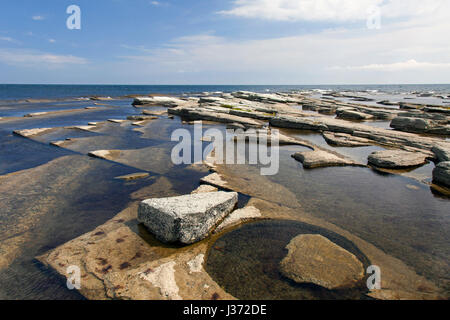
x=65 y=193
x=397 y=214
x=118 y=109
x=245 y=262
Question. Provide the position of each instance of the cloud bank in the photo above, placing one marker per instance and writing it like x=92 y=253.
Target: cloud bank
x=329 y=10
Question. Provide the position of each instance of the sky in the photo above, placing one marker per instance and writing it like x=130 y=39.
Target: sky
x=226 y=42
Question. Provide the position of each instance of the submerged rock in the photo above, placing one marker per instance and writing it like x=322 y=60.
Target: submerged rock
x=141 y=118
x=321 y=158
x=134 y=176
x=32 y=132
x=154 y=112
x=186 y=219
x=396 y=159
x=441 y=174
x=315 y=259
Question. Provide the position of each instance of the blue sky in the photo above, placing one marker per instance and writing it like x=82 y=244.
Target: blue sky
x=226 y=42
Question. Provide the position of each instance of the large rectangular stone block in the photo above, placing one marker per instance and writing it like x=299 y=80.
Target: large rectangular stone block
x=186 y=219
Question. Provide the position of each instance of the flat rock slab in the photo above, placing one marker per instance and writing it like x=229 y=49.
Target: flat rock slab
x=315 y=259
x=186 y=219
x=321 y=158
x=345 y=140
x=239 y=216
x=397 y=159
x=441 y=174
x=420 y=125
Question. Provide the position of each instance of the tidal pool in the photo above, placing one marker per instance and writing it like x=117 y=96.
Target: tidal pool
x=245 y=262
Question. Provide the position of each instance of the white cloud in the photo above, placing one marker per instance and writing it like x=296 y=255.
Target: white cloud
x=397 y=66
x=8 y=39
x=51 y=40
x=307 y=59
x=38 y=18
x=330 y=10
x=159 y=3
x=27 y=58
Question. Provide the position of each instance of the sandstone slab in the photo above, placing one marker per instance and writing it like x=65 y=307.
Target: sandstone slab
x=397 y=159
x=321 y=158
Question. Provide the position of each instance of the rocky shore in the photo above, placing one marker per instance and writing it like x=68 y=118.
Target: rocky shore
x=156 y=248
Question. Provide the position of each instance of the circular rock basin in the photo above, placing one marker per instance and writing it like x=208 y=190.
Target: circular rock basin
x=246 y=262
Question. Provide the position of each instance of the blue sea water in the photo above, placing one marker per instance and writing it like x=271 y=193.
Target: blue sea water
x=19 y=91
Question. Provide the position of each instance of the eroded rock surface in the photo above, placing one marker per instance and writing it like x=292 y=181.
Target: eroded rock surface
x=396 y=159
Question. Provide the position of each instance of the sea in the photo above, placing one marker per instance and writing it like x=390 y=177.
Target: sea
x=45 y=91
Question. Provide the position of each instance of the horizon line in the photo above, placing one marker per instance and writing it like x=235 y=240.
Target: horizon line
x=272 y=85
